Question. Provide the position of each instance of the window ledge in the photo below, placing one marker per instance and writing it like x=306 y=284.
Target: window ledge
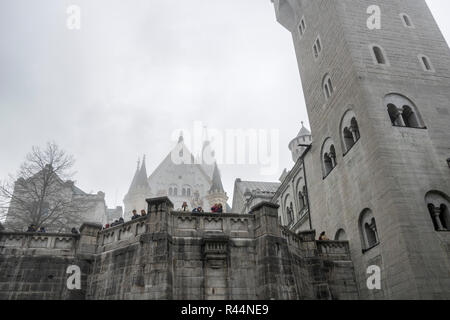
x=420 y=128
x=368 y=249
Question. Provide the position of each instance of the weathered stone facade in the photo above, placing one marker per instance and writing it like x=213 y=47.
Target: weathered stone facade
x=177 y=255
x=377 y=170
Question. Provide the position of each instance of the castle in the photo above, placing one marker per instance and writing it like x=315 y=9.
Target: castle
x=373 y=173
x=180 y=177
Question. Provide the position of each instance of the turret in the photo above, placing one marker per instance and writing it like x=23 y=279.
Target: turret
x=298 y=144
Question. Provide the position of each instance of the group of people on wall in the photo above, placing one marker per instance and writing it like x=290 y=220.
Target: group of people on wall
x=122 y=221
x=217 y=208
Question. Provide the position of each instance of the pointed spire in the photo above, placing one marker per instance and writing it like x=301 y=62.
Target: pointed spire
x=140 y=177
x=216 y=186
x=303 y=131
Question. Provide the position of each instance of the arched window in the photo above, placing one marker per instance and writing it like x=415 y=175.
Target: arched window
x=183 y=192
x=291 y=209
x=349 y=130
x=188 y=192
x=175 y=191
x=170 y=191
x=438 y=204
x=407 y=22
x=327 y=87
x=329 y=161
x=288 y=214
x=378 y=55
x=403 y=112
x=341 y=235
x=301 y=201
x=368 y=229
x=425 y=63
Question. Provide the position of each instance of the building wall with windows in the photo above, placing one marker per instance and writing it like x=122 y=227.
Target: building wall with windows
x=379 y=115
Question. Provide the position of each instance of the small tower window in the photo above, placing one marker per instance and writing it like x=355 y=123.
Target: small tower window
x=368 y=230
x=327 y=87
x=329 y=161
x=378 y=55
x=425 y=63
x=170 y=191
x=317 y=48
x=302 y=27
x=407 y=22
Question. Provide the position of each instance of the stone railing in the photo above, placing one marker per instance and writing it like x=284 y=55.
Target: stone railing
x=303 y=243
x=128 y=231
x=333 y=248
x=199 y=224
x=45 y=241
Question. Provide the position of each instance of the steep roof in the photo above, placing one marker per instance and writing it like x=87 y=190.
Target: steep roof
x=140 y=177
x=216 y=185
x=303 y=131
x=258 y=186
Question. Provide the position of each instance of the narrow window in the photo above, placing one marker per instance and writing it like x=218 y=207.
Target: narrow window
x=327 y=87
x=379 y=56
x=170 y=191
x=407 y=22
x=302 y=27
x=425 y=63
x=317 y=48
x=319 y=45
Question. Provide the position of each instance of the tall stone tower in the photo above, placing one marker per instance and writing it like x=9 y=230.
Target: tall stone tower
x=378 y=101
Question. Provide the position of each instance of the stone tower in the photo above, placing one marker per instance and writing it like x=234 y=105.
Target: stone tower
x=138 y=192
x=378 y=101
x=216 y=193
x=297 y=145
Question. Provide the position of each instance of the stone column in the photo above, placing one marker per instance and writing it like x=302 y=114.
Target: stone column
x=399 y=118
x=274 y=273
x=436 y=216
x=88 y=237
x=158 y=211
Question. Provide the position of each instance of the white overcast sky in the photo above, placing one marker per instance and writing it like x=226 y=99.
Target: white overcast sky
x=137 y=71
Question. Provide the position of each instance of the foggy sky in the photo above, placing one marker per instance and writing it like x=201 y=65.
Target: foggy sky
x=137 y=72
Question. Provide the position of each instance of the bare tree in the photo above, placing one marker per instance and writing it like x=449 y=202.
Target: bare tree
x=40 y=195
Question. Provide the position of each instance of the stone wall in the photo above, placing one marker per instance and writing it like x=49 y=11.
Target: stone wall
x=179 y=255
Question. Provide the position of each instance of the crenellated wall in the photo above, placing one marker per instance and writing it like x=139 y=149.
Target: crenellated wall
x=179 y=255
